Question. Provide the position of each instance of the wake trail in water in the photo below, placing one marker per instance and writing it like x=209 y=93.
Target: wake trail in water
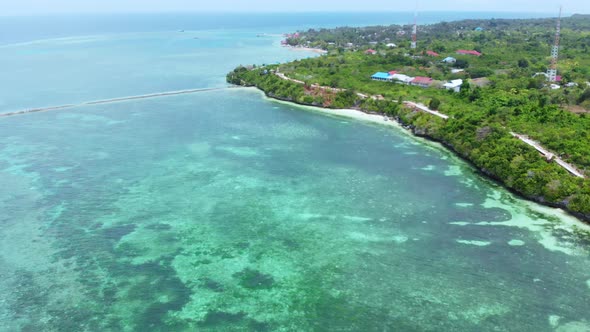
x=116 y=100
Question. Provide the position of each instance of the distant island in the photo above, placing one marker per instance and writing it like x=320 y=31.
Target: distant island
x=482 y=88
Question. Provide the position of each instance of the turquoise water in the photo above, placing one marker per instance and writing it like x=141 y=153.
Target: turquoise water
x=76 y=69
x=225 y=211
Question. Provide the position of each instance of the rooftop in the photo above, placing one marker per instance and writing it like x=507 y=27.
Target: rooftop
x=402 y=77
x=381 y=76
x=422 y=80
x=453 y=84
x=469 y=52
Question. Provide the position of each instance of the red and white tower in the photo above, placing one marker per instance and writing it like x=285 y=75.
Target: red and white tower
x=552 y=72
x=415 y=31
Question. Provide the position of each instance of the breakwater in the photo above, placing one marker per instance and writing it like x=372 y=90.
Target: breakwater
x=115 y=100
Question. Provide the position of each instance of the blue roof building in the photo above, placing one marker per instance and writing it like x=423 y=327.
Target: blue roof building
x=449 y=60
x=381 y=76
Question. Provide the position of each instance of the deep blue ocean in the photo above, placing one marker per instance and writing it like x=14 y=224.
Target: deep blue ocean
x=226 y=211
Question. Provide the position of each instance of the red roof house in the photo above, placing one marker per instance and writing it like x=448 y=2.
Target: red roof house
x=432 y=53
x=393 y=72
x=468 y=52
x=422 y=81
x=370 y=51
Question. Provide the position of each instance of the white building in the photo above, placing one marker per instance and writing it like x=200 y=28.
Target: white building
x=401 y=78
x=454 y=85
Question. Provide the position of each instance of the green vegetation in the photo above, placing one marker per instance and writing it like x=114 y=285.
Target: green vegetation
x=434 y=103
x=483 y=114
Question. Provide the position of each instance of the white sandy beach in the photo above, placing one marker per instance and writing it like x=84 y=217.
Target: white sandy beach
x=306 y=49
x=347 y=113
x=360 y=116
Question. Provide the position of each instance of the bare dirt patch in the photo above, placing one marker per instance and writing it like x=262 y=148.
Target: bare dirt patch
x=577 y=109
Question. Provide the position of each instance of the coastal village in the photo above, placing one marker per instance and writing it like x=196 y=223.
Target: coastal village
x=422 y=81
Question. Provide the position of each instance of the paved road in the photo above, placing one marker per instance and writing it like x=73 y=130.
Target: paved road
x=426 y=109
x=549 y=155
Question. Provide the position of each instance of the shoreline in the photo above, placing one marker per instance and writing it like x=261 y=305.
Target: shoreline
x=350 y=113
x=394 y=122
x=306 y=49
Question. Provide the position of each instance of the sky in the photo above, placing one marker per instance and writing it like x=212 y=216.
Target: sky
x=39 y=7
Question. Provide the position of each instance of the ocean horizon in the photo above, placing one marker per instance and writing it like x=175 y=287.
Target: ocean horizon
x=23 y=28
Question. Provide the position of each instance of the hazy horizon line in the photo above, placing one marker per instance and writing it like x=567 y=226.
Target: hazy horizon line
x=276 y=12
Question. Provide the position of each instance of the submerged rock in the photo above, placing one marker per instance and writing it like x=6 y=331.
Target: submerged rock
x=254 y=279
